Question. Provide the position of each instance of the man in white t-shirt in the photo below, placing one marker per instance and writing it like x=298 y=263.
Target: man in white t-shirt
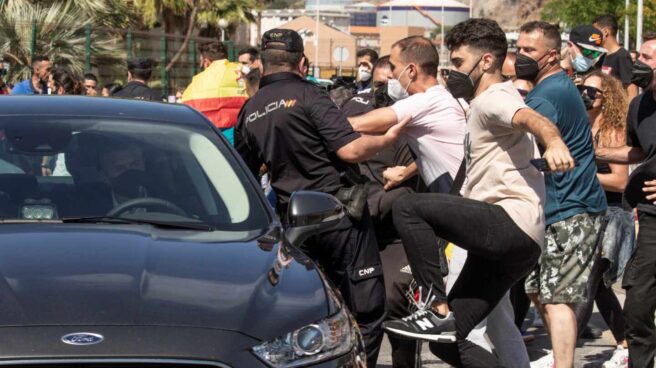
x=437 y=129
x=435 y=133
x=500 y=220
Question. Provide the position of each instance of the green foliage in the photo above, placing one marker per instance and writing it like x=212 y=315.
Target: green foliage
x=208 y=11
x=572 y=13
x=60 y=35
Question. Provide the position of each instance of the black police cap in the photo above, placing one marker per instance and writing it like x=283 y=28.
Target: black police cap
x=140 y=64
x=282 y=39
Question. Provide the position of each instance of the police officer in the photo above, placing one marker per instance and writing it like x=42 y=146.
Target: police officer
x=396 y=269
x=139 y=72
x=305 y=141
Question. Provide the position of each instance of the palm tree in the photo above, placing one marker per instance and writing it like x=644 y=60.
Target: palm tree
x=60 y=33
x=193 y=12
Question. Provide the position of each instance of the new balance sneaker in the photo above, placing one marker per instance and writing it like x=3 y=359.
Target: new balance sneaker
x=546 y=361
x=620 y=358
x=424 y=325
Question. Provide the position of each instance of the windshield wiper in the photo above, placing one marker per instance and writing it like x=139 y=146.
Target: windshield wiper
x=123 y=220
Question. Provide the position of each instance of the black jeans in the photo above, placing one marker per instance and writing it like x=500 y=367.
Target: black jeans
x=640 y=305
x=397 y=283
x=500 y=254
x=350 y=258
x=520 y=302
x=607 y=302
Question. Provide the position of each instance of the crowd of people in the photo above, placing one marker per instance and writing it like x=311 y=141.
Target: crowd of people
x=509 y=178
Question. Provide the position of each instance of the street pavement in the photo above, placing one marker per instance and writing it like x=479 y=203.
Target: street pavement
x=589 y=353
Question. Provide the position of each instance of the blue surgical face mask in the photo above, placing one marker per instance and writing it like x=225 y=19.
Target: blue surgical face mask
x=582 y=64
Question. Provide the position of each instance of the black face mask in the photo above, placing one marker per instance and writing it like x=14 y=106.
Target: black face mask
x=131 y=184
x=381 y=98
x=527 y=68
x=461 y=85
x=642 y=75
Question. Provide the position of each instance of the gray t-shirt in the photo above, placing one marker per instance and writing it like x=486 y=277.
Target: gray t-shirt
x=498 y=157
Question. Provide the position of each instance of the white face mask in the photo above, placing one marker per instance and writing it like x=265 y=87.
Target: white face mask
x=245 y=70
x=395 y=90
x=364 y=74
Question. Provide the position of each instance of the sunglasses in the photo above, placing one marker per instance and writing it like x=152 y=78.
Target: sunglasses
x=590 y=91
x=591 y=54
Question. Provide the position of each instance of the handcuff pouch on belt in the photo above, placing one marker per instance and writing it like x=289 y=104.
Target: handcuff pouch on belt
x=354 y=195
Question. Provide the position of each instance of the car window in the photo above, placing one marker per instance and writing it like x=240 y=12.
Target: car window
x=65 y=168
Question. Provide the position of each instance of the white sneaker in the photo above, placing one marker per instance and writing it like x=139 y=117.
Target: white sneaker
x=620 y=358
x=537 y=321
x=546 y=361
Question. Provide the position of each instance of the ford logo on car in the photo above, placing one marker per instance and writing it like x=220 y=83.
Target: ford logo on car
x=82 y=338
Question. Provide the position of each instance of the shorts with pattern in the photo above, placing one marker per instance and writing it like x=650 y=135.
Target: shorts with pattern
x=564 y=267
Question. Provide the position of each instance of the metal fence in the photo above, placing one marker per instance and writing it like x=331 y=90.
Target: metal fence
x=159 y=46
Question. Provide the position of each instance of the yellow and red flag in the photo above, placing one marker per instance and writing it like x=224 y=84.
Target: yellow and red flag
x=217 y=93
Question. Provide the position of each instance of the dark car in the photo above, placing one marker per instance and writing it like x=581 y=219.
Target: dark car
x=132 y=235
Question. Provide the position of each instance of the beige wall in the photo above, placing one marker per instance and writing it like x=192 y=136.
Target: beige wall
x=389 y=35
x=326 y=47
x=329 y=39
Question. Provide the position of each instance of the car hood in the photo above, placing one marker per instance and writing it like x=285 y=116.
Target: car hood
x=69 y=274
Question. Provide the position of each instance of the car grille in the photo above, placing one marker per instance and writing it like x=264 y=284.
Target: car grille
x=112 y=363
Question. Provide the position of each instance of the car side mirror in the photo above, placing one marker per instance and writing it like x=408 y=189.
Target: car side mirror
x=311 y=213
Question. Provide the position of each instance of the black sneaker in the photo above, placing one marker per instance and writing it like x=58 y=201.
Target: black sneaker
x=424 y=325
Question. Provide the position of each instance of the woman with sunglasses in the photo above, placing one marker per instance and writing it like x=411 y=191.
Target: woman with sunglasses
x=607 y=104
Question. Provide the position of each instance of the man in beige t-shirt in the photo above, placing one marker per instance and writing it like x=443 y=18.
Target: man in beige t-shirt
x=500 y=220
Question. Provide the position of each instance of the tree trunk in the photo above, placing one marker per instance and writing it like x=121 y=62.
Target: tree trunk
x=190 y=31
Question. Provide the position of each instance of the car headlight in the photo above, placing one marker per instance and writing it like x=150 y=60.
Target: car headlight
x=329 y=338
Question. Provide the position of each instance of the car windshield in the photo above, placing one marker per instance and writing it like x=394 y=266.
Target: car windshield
x=74 y=169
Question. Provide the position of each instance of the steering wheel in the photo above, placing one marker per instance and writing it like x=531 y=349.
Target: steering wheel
x=147 y=202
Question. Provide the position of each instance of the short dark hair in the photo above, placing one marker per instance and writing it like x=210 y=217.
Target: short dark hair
x=213 y=50
x=550 y=31
x=280 y=60
x=373 y=55
x=141 y=68
x=420 y=50
x=39 y=58
x=251 y=51
x=65 y=79
x=383 y=62
x=482 y=34
x=607 y=21
x=90 y=76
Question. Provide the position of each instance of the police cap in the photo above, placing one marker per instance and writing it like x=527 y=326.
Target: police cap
x=140 y=64
x=282 y=39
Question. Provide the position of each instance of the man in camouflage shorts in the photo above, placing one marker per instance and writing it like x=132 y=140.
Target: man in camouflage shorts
x=565 y=264
x=575 y=200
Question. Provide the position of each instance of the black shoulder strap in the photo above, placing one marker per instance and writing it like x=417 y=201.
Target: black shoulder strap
x=459 y=179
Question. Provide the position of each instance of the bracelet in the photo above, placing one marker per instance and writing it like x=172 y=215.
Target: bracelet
x=45 y=166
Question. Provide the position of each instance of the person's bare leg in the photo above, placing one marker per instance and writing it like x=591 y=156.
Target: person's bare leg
x=562 y=327
x=543 y=314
